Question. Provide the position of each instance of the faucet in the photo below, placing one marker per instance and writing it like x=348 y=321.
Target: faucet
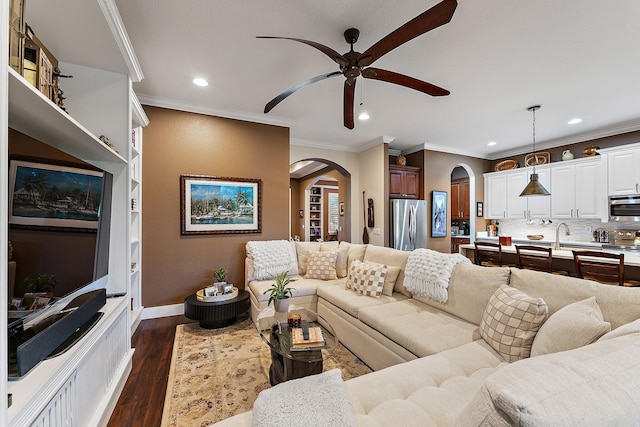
x=557 y=246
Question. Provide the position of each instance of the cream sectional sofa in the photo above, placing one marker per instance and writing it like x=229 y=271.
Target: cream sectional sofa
x=434 y=368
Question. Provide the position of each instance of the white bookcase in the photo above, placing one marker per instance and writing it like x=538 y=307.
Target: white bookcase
x=81 y=386
x=315 y=224
x=139 y=121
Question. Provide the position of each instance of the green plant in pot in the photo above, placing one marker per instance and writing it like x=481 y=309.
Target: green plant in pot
x=280 y=292
x=44 y=283
x=220 y=275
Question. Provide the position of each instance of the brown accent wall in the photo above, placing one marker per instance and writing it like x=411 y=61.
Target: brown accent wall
x=578 y=148
x=437 y=170
x=66 y=255
x=177 y=142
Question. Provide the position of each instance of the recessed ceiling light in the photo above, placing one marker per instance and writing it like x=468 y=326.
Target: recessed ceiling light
x=200 y=82
x=491 y=143
x=574 y=121
x=364 y=116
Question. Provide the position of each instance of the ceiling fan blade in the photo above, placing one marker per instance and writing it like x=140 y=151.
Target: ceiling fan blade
x=335 y=56
x=349 y=94
x=402 y=80
x=275 y=101
x=438 y=15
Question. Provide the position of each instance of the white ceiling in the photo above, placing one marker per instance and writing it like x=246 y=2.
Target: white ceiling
x=497 y=57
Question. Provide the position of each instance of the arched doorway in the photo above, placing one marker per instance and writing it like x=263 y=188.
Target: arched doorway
x=463 y=204
x=320 y=194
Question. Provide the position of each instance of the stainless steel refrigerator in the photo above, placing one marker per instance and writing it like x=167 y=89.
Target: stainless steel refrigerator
x=408 y=224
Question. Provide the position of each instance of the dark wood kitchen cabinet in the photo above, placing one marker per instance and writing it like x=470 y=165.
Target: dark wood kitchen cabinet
x=404 y=182
x=460 y=199
x=457 y=241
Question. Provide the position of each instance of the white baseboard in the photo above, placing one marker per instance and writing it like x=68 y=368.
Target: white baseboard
x=162 y=311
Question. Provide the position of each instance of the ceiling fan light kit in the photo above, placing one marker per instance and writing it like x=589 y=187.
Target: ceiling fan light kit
x=534 y=187
x=355 y=64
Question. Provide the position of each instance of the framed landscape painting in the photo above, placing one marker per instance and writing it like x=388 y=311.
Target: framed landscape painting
x=54 y=195
x=220 y=205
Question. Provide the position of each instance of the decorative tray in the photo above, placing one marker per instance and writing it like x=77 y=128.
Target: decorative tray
x=541 y=158
x=216 y=298
x=506 y=165
x=535 y=236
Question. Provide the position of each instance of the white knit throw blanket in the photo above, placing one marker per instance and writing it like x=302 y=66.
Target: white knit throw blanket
x=314 y=401
x=272 y=257
x=428 y=272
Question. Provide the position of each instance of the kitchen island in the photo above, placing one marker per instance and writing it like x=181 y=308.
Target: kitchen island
x=562 y=258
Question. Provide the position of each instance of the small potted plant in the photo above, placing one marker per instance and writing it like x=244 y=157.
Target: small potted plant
x=220 y=276
x=280 y=293
x=43 y=284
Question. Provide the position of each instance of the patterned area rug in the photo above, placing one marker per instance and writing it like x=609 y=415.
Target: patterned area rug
x=218 y=373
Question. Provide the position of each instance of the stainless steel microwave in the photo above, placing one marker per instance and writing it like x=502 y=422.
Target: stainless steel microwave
x=624 y=208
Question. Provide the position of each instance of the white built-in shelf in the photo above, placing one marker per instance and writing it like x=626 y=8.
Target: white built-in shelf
x=53 y=125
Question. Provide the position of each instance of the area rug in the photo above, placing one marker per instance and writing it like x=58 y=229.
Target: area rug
x=218 y=373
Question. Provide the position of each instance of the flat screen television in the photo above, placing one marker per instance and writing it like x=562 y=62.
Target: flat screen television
x=77 y=257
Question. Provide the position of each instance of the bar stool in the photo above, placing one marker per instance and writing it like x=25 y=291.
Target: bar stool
x=534 y=258
x=600 y=266
x=488 y=254
x=538 y=258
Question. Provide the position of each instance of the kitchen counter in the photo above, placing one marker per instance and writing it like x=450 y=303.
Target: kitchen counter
x=565 y=252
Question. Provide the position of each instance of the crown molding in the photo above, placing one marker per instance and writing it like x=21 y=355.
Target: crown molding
x=114 y=20
x=445 y=149
x=322 y=145
x=139 y=116
x=200 y=109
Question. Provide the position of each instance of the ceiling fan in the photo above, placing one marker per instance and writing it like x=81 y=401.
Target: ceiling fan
x=354 y=64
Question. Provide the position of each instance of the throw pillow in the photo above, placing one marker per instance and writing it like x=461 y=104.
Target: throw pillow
x=573 y=326
x=390 y=280
x=629 y=328
x=341 y=260
x=510 y=322
x=366 y=278
x=321 y=265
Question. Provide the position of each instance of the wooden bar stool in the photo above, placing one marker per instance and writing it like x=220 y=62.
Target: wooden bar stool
x=538 y=258
x=600 y=266
x=534 y=258
x=488 y=254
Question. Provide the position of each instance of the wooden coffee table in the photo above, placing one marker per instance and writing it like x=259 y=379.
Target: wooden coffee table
x=287 y=364
x=217 y=314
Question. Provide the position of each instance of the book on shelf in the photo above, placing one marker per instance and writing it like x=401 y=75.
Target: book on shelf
x=316 y=340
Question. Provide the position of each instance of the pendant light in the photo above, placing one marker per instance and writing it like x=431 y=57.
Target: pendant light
x=534 y=188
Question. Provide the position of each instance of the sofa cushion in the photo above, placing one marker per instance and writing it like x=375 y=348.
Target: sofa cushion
x=573 y=326
x=349 y=301
x=390 y=280
x=302 y=287
x=629 y=328
x=341 y=258
x=559 y=291
x=355 y=252
x=389 y=256
x=302 y=249
x=592 y=385
x=421 y=329
x=470 y=288
x=366 y=278
x=510 y=322
x=430 y=391
x=321 y=265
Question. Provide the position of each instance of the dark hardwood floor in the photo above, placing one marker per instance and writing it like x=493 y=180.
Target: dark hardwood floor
x=141 y=401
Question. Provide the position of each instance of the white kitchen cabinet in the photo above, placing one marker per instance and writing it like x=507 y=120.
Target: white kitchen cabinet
x=623 y=171
x=495 y=194
x=502 y=195
x=538 y=206
x=577 y=189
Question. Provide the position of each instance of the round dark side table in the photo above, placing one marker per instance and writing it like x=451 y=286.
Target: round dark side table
x=217 y=314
